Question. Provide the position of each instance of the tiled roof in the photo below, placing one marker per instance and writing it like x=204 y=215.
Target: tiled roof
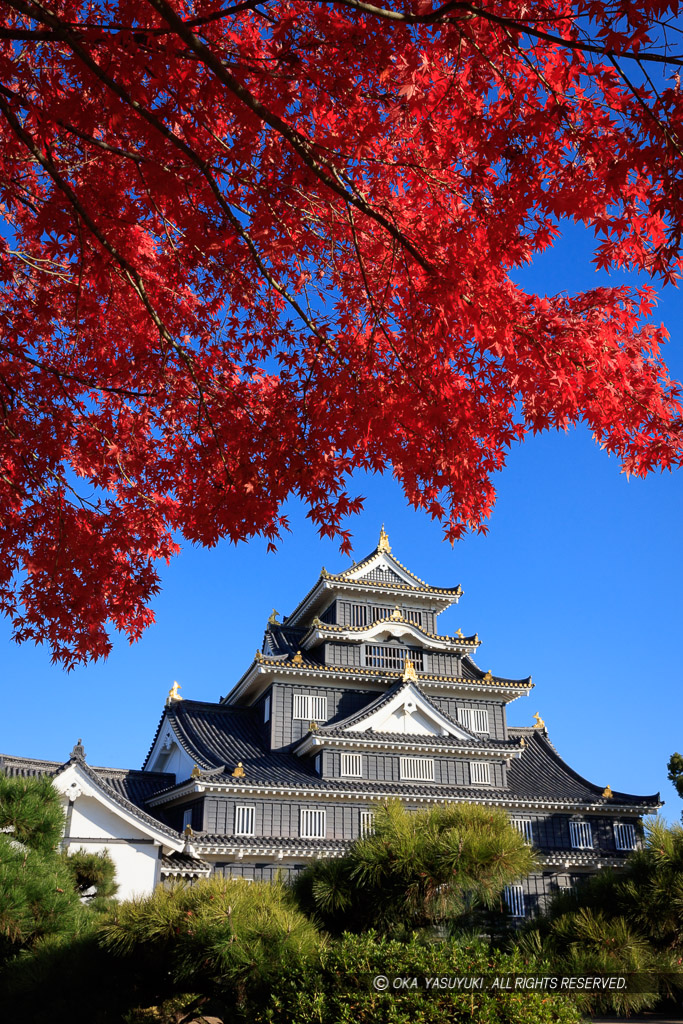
x=216 y=735
x=184 y=865
x=542 y=774
x=282 y=641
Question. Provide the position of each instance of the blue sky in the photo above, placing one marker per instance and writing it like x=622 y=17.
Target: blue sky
x=577 y=583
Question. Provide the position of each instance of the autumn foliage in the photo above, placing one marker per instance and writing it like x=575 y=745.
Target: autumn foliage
x=246 y=249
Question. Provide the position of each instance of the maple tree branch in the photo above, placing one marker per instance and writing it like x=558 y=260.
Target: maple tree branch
x=322 y=168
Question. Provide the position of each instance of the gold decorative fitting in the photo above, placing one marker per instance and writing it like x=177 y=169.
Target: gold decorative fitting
x=459 y=632
x=187 y=831
x=195 y=773
x=239 y=771
x=522 y=741
x=316 y=622
x=396 y=614
x=409 y=674
x=273 y=618
x=297 y=659
x=258 y=656
x=607 y=793
x=313 y=726
x=384 y=544
x=540 y=724
x=488 y=678
x=173 y=693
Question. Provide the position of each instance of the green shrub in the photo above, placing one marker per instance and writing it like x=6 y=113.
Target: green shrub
x=340 y=990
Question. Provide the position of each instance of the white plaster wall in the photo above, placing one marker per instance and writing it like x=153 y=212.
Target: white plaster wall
x=135 y=861
x=136 y=866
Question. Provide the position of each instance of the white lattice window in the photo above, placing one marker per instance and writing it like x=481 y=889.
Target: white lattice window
x=417 y=769
x=524 y=826
x=352 y=764
x=474 y=719
x=244 y=821
x=383 y=656
x=266 y=709
x=309 y=708
x=312 y=824
x=514 y=898
x=581 y=835
x=367 y=822
x=625 y=836
x=480 y=773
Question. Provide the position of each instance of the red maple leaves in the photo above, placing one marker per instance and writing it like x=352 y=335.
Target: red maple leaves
x=248 y=249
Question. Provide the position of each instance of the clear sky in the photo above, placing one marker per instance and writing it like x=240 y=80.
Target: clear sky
x=578 y=583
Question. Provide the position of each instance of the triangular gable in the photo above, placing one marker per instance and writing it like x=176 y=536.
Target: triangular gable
x=77 y=780
x=382 y=566
x=410 y=712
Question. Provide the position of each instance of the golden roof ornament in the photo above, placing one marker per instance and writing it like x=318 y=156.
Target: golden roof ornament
x=460 y=633
x=522 y=741
x=396 y=614
x=273 y=618
x=173 y=694
x=607 y=793
x=540 y=724
x=384 y=546
x=297 y=659
x=239 y=771
x=409 y=674
x=488 y=678
x=187 y=831
x=195 y=773
x=312 y=726
x=258 y=656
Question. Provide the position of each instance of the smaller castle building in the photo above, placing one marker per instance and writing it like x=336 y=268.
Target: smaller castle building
x=353 y=699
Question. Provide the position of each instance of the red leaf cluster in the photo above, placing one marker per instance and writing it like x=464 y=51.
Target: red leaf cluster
x=247 y=249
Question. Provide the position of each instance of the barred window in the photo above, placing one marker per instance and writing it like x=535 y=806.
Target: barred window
x=312 y=824
x=524 y=826
x=307 y=707
x=367 y=822
x=244 y=821
x=480 y=772
x=392 y=658
x=418 y=769
x=514 y=898
x=352 y=764
x=625 y=836
x=474 y=719
x=581 y=835
x=412 y=615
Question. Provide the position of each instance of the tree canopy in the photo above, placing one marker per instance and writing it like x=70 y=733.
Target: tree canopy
x=246 y=249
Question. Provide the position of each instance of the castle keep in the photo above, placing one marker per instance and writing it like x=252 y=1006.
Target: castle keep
x=354 y=698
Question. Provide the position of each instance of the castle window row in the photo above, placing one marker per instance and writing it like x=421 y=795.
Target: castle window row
x=313 y=825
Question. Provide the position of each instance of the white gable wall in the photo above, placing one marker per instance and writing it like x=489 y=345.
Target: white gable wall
x=95 y=822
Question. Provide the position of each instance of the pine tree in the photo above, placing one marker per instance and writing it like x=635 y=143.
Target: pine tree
x=418 y=869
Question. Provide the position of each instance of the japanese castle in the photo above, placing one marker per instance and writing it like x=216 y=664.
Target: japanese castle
x=353 y=699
